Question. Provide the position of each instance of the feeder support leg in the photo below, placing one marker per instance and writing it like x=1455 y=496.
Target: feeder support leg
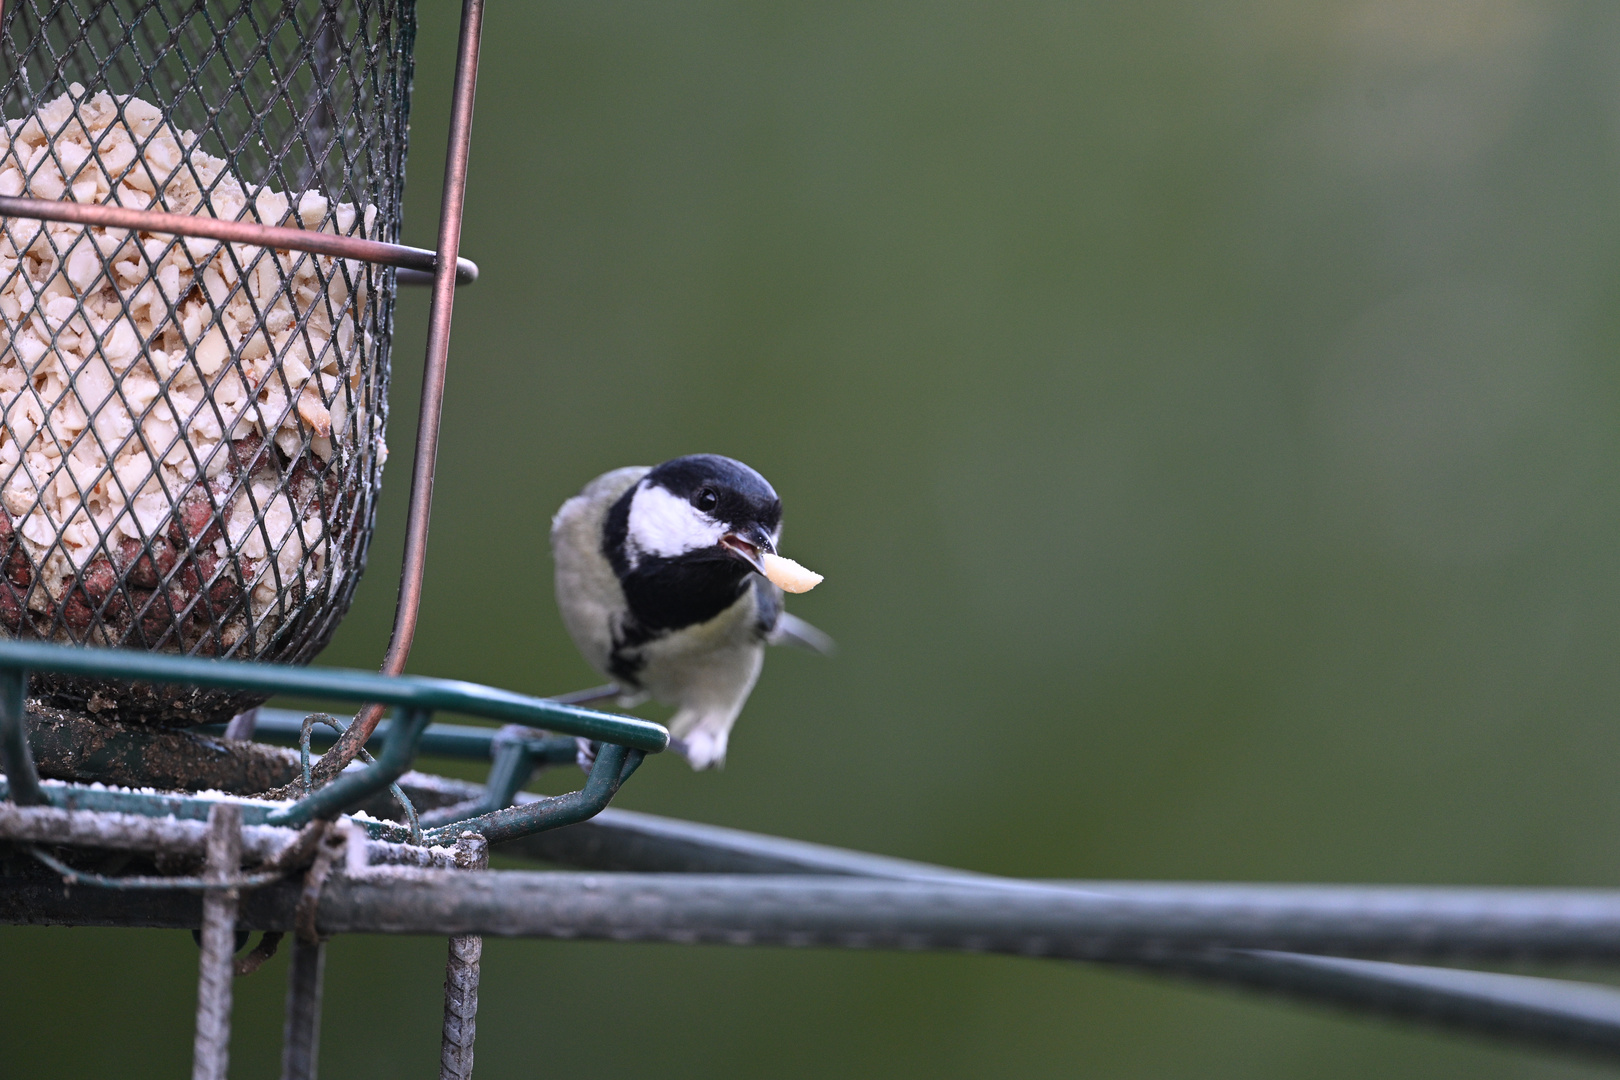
x=301 y=1037
x=215 y=970
x=15 y=760
x=461 y=977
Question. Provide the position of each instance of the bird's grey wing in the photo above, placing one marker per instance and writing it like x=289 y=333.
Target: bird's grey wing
x=589 y=596
x=780 y=628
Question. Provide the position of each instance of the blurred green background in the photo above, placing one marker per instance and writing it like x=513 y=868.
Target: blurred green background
x=1205 y=417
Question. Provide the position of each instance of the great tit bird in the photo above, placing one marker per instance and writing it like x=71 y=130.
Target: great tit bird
x=662 y=583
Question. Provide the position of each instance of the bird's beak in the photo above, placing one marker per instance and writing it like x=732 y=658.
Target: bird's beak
x=748 y=547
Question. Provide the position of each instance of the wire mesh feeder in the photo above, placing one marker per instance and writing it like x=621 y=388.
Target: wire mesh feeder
x=192 y=434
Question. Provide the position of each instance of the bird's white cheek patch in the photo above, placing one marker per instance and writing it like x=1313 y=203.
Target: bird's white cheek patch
x=667 y=525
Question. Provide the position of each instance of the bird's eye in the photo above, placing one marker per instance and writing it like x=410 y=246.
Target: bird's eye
x=705 y=500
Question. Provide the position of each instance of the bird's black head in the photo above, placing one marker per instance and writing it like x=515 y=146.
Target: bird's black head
x=685 y=537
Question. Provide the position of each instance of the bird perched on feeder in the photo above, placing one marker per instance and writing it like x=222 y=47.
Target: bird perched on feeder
x=669 y=582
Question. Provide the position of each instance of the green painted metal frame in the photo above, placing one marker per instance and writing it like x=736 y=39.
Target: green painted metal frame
x=405 y=691
x=281 y=727
x=612 y=767
x=624 y=740
x=514 y=753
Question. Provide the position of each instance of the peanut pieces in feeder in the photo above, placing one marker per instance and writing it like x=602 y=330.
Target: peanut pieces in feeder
x=170 y=405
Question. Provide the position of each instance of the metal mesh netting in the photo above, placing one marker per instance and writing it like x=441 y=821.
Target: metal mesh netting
x=192 y=436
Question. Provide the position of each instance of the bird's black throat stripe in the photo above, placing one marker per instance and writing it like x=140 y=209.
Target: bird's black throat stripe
x=671 y=594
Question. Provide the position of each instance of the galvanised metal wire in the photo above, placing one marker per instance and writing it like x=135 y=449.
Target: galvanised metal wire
x=191 y=443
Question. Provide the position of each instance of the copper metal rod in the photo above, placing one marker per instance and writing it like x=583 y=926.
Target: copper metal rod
x=99 y=215
x=425 y=277
x=433 y=378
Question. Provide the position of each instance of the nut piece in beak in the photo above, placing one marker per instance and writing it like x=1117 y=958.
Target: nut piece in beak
x=788 y=575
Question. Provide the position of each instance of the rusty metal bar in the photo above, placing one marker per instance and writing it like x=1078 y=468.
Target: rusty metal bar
x=1105 y=921
x=433 y=380
x=301 y=1031
x=128 y=832
x=1511 y=1008
x=1217 y=933
x=215 y=967
x=98 y=215
x=461 y=974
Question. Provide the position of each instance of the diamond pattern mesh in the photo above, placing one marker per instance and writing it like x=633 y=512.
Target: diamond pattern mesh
x=192 y=436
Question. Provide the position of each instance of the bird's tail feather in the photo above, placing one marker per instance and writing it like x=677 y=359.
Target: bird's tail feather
x=703 y=747
x=792 y=630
